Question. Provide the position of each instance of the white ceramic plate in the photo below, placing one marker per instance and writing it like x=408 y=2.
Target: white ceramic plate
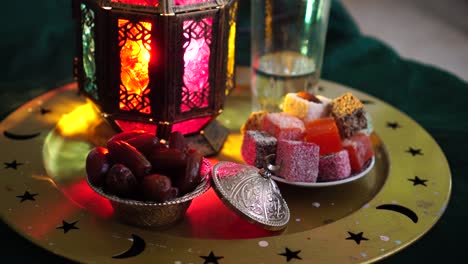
x=356 y=176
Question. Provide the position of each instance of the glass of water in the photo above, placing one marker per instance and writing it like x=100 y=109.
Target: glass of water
x=288 y=40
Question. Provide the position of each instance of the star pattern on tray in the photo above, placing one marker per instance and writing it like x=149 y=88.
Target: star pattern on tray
x=211 y=258
x=12 y=165
x=393 y=125
x=27 y=196
x=67 y=226
x=356 y=237
x=414 y=152
x=418 y=181
x=289 y=254
x=44 y=111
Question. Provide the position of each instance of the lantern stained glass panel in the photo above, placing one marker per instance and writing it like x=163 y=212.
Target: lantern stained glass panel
x=231 y=49
x=154 y=3
x=132 y=125
x=135 y=47
x=197 y=50
x=189 y=2
x=89 y=63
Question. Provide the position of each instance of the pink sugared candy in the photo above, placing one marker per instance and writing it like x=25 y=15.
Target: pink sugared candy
x=256 y=145
x=298 y=160
x=283 y=126
x=334 y=167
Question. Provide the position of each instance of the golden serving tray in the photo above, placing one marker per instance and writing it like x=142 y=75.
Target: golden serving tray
x=45 y=197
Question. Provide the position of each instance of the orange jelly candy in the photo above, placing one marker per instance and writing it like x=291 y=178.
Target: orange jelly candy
x=324 y=133
x=360 y=150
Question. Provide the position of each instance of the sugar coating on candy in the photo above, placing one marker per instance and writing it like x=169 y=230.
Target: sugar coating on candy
x=349 y=114
x=298 y=160
x=360 y=150
x=334 y=167
x=304 y=109
x=283 y=126
x=254 y=122
x=256 y=146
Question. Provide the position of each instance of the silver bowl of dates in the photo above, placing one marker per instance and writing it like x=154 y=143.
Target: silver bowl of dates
x=148 y=183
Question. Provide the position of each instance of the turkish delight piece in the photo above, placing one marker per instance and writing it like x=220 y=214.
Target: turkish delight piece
x=349 y=114
x=283 y=126
x=334 y=167
x=359 y=149
x=298 y=161
x=254 y=122
x=306 y=106
x=324 y=133
x=256 y=146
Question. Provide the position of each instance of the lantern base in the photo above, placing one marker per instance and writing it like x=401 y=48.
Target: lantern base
x=210 y=140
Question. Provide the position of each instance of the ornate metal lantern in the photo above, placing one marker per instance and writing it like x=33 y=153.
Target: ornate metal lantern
x=158 y=65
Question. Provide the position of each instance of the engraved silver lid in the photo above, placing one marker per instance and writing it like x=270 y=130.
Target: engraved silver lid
x=251 y=193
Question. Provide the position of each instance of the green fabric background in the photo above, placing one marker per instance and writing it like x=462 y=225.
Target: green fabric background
x=37 y=48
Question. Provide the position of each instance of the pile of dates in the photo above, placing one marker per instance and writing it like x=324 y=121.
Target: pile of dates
x=137 y=165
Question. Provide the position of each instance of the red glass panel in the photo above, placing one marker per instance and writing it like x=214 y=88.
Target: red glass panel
x=196 y=89
x=154 y=3
x=131 y=125
x=188 y=2
x=135 y=47
x=191 y=126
